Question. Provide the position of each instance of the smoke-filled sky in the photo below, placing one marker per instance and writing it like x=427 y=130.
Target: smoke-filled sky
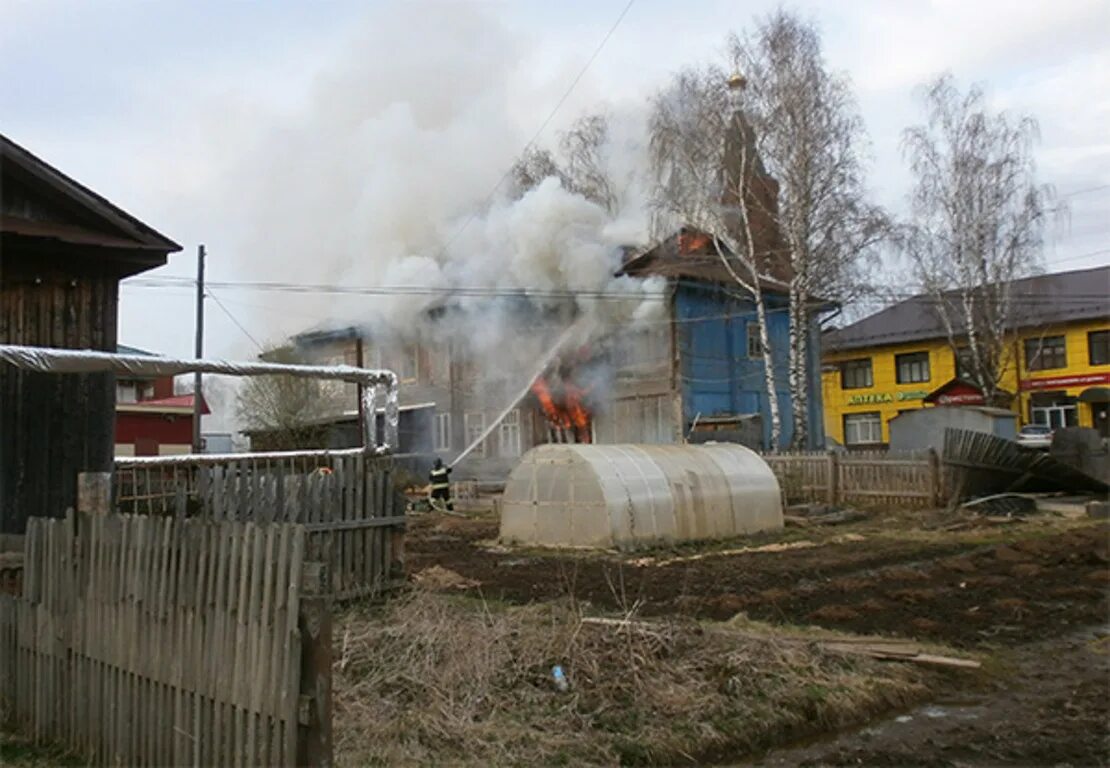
x=348 y=142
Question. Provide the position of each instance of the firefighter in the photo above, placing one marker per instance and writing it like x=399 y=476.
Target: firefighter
x=440 y=481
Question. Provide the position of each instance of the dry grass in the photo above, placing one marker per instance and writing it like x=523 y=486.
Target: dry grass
x=432 y=679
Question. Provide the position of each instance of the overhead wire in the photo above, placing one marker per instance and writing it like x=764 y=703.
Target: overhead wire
x=208 y=292
x=535 y=137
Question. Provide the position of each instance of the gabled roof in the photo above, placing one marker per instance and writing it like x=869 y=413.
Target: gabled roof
x=1039 y=301
x=40 y=203
x=692 y=255
x=182 y=404
x=123 y=349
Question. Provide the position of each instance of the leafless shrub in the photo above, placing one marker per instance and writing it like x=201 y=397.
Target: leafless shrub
x=287 y=409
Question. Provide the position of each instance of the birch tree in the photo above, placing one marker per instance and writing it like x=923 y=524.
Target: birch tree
x=977 y=218
x=811 y=139
x=580 y=165
x=689 y=136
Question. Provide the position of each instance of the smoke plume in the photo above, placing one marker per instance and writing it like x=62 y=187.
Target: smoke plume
x=384 y=178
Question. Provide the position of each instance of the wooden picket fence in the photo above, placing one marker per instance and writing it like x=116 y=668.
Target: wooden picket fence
x=141 y=640
x=886 y=478
x=346 y=501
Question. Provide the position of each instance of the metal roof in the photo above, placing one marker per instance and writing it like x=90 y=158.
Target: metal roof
x=1041 y=300
x=667 y=259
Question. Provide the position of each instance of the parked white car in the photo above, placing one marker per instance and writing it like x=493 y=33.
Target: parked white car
x=1035 y=436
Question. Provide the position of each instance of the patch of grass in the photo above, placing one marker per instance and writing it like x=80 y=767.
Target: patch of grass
x=432 y=680
x=20 y=753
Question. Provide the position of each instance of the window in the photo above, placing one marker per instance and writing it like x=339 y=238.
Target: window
x=443 y=432
x=508 y=443
x=755 y=341
x=1053 y=409
x=912 y=368
x=1098 y=347
x=863 y=428
x=855 y=374
x=126 y=392
x=965 y=367
x=410 y=362
x=475 y=424
x=1044 y=354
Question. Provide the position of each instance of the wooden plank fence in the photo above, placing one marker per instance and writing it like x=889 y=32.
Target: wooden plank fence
x=354 y=516
x=141 y=640
x=875 y=477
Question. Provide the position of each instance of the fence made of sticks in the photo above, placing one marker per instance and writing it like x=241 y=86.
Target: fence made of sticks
x=911 y=479
x=143 y=640
x=346 y=501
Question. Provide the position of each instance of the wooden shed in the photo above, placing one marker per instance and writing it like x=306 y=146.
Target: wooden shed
x=63 y=251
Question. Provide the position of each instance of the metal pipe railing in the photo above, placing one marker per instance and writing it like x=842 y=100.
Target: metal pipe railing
x=61 y=361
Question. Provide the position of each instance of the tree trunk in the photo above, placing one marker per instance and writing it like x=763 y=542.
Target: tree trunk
x=799 y=369
x=769 y=373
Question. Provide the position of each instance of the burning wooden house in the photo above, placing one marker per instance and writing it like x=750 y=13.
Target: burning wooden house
x=694 y=373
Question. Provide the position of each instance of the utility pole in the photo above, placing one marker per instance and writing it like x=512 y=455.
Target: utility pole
x=197 y=447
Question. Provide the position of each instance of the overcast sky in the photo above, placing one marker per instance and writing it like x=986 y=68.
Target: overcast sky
x=185 y=113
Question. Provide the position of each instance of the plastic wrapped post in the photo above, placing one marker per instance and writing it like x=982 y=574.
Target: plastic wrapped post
x=49 y=360
x=370 y=415
x=392 y=413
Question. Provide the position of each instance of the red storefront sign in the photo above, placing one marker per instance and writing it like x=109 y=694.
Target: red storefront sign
x=975 y=398
x=956 y=392
x=1074 y=380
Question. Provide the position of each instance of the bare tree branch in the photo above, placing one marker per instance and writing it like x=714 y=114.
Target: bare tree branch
x=810 y=136
x=288 y=409
x=977 y=222
x=690 y=123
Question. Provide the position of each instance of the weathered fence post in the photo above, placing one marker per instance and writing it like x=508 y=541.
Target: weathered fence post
x=314 y=742
x=834 y=478
x=94 y=493
x=935 y=485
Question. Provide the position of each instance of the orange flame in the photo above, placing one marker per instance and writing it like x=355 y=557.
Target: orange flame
x=565 y=410
x=689 y=242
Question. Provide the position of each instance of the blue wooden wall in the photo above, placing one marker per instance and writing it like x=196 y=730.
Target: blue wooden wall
x=719 y=378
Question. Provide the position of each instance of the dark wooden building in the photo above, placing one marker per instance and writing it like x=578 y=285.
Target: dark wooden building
x=63 y=251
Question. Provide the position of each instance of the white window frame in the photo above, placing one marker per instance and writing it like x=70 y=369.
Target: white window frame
x=474 y=422
x=442 y=437
x=856 y=367
x=754 y=341
x=508 y=435
x=410 y=363
x=127 y=387
x=854 y=424
x=911 y=368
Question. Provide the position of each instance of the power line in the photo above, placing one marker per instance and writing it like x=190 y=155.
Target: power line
x=408 y=290
x=233 y=319
x=537 y=293
x=1087 y=191
x=1081 y=256
x=546 y=122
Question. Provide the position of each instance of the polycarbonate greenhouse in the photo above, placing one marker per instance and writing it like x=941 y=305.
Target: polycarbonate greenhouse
x=626 y=496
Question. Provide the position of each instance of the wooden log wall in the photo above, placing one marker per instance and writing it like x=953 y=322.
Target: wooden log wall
x=53 y=426
x=152 y=641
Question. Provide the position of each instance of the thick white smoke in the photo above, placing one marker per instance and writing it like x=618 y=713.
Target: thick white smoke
x=384 y=178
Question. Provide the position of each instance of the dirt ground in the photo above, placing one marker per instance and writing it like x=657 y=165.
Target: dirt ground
x=1029 y=594
x=1051 y=708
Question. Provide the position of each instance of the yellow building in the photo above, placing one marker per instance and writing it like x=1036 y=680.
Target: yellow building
x=900 y=359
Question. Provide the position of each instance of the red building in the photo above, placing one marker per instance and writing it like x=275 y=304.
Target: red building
x=150 y=419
